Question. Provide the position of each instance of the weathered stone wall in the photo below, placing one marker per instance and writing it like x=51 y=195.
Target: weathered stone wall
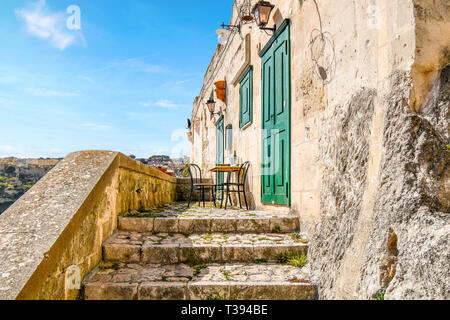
x=406 y=237
x=393 y=237
x=407 y=253
x=368 y=166
x=64 y=219
x=344 y=147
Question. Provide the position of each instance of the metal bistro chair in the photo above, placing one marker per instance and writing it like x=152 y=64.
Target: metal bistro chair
x=242 y=177
x=195 y=173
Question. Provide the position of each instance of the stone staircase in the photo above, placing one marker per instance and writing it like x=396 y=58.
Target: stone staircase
x=202 y=254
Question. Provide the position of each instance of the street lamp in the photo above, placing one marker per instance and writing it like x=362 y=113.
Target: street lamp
x=212 y=107
x=261 y=12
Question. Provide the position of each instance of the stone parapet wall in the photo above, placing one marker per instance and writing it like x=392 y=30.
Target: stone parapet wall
x=184 y=188
x=54 y=233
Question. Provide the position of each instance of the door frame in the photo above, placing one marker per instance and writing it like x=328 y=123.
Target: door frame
x=219 y=175
x=282 y=28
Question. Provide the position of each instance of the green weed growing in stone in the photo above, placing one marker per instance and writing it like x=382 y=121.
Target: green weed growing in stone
x=186 y=234
x=216 y=296
x=198 y=268
x=143 y=215
x=260 y=261
x=293 y=259
x=276 y=229
x=207 y=236
x=193 y=260
x=105 y=267
x=227 y=274
x=380 y=295
x=298 y=262
x=299 y=238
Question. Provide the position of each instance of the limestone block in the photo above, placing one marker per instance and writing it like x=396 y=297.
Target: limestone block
x=223 y=225
x=285 y=224
x=110 y=291
x=163 y=291
x=194 y=225
x=166 y=225
x=121 y=252
x=238 y=253
x=166 y=253
x=208 y=290
x=136 y=224
x=252 y=225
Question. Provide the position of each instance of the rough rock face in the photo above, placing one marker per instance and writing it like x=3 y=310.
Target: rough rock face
x=17 y=176
x=408 y=248
x=406 y=254
x=344 y=149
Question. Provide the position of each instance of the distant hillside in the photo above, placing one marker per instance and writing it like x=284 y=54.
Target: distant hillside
x=17 y=176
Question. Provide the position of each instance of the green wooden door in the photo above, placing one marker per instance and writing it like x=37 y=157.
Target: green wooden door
x=220 y=148
x=276 y=104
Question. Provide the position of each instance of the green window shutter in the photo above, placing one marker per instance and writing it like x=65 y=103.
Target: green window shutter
x=246 y=97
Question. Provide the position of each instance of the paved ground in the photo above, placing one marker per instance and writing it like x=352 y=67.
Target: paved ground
x=176 y=218
x=215 y=239
x=180 y=210
x=173 y=252
x=239 y=272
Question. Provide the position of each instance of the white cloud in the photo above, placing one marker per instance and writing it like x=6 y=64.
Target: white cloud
x=130 y=65
x=52 y=93
x=88 y=79
x=47 y=26
x=176 y=83
x=137 y=65
x=183 y=146
x=95 y=126
x=164 y=104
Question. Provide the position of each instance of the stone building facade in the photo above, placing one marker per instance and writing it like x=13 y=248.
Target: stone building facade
x=343 y=114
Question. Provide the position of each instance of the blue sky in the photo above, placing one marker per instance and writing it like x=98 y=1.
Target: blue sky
x=125 y=81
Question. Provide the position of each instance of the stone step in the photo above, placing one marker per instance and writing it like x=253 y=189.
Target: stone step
x=247 y=281
x=176 y=218
x=125 y=246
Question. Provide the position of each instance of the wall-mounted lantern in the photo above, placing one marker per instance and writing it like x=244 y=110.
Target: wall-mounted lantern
x=212 y=107
x=261 y=12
